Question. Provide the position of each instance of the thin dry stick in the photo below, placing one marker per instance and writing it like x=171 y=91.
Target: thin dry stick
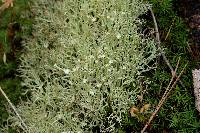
x=168 y=89
x=159 y=42
x=13 y=107
x=177 y=79
x=172 y=79
x=177 y=65
x=163 y=100
x=159 y=47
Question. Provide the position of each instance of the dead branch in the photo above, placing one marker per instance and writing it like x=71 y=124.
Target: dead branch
x=160 y=49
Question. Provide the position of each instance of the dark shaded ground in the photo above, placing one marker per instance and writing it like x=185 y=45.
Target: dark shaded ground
x=190 y=11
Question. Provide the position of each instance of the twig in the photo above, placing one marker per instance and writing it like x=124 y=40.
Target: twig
x=172 y=79
x=159 y=47
x=163 y=99
x=13 y=107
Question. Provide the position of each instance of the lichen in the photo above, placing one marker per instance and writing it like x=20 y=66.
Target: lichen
x=82 y=65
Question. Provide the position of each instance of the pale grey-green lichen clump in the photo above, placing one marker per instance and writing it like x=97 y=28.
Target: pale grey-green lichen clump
x=82 y=65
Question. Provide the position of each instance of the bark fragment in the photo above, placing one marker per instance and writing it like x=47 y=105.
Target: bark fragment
x=196 y=84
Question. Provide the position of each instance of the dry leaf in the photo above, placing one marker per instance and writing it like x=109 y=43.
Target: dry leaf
x=8 y=3
x=145 y=108
x=134 y=111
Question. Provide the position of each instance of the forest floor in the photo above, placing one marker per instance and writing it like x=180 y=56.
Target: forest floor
x=178 y=23
x=190 y=11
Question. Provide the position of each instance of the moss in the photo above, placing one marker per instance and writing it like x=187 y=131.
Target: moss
x=12 y=23
x=178 y=114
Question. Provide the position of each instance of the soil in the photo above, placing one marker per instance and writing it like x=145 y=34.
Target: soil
x=190 y=11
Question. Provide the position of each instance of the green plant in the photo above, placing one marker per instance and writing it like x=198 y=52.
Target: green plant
x=178 y=114
x=83 y=65
x=14 y=24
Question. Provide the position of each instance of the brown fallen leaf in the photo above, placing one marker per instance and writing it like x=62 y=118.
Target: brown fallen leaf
x=145 y=108
x=134 y=111
x=8 y=3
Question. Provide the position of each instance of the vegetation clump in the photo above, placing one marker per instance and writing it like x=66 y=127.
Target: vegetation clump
x=83 y=65
x=14 y=25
